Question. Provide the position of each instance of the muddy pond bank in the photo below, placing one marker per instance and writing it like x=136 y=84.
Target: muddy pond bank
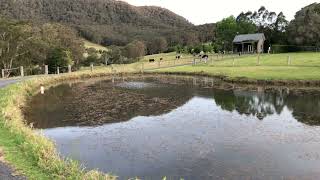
x=181 y=126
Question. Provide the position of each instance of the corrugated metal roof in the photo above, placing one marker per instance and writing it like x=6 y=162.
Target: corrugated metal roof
x=249 y=37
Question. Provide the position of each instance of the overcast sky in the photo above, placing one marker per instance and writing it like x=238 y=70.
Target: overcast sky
x=209 y=11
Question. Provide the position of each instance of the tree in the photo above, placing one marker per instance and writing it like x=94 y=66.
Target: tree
x=305 y=28
x=273 y=25
x=158 y=45
x=15 y=39
x=59 y=57
x=58 y=36
x=92 y=57
x=226 y=31
x=207 y=48
x=114 y=55
x=135 y=50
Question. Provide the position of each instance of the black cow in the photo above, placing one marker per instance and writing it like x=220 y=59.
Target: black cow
x=178 y=57
x=151 y=60
x=161 y=59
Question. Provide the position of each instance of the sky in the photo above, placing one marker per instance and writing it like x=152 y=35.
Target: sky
x=210 y=11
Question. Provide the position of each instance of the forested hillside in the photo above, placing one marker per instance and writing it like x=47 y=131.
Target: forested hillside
x=108 y=22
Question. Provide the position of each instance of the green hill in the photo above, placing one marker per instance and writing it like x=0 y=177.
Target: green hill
x=107 y=22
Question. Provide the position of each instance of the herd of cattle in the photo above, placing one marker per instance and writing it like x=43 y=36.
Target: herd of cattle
x=178 y=57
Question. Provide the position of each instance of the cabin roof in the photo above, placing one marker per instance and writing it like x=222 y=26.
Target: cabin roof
x=248 y=37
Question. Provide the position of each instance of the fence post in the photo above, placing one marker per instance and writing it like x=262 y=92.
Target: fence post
x=69 y=69
x=46 y=70
x=233 y=61
x=142 y=68
x=21 y=71
x=58 y=70
x=289 y=60
x=2 y=73
x=91 y=67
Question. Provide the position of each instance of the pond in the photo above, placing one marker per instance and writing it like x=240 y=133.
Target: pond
x=182 y=127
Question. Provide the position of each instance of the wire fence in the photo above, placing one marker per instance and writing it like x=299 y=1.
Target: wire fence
x=12 y=72
x=37 y=70
x=213 y=60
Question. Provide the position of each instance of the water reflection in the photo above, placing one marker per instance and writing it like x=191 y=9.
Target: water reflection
x=85 y=103
x=183 y=127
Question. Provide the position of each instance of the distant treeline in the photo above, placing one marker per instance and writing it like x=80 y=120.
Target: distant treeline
x=303 y=31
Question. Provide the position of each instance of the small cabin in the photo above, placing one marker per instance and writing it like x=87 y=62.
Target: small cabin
x=249 y=43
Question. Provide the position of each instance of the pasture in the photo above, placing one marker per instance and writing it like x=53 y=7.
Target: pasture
x=289 y=66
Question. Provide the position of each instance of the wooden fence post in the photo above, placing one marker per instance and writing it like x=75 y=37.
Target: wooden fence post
x=46 y=70
x=58 y=70
x=2 y=73
x=69 y=69
x=21 y=71
x=91 y=67
x=233 y=62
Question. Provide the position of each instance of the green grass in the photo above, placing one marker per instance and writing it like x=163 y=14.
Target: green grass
x=304 y=66
x=20 y=159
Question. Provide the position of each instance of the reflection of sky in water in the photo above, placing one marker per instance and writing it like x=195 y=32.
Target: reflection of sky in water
x=137 y=85
x=197 y=140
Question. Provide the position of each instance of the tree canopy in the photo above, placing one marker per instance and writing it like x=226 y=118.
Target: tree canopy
x=304 y=30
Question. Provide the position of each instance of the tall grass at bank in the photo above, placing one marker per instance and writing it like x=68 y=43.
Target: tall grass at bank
x=30 y=152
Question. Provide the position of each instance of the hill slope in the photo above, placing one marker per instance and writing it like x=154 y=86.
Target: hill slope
x=103 y=21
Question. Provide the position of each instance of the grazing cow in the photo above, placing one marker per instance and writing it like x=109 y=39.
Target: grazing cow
x=161 y=59
x=205 y=57
x=178 y=57
x=151 y=60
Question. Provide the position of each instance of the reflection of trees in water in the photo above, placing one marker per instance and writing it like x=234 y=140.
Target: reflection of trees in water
x=305 y=108
x=250 y=103
x=96 y=104
x=61 y=105
x=42 y=109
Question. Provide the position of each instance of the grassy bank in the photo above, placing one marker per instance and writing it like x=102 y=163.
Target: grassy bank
x=28 y=151
x=36 y=156
x=302 y=66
